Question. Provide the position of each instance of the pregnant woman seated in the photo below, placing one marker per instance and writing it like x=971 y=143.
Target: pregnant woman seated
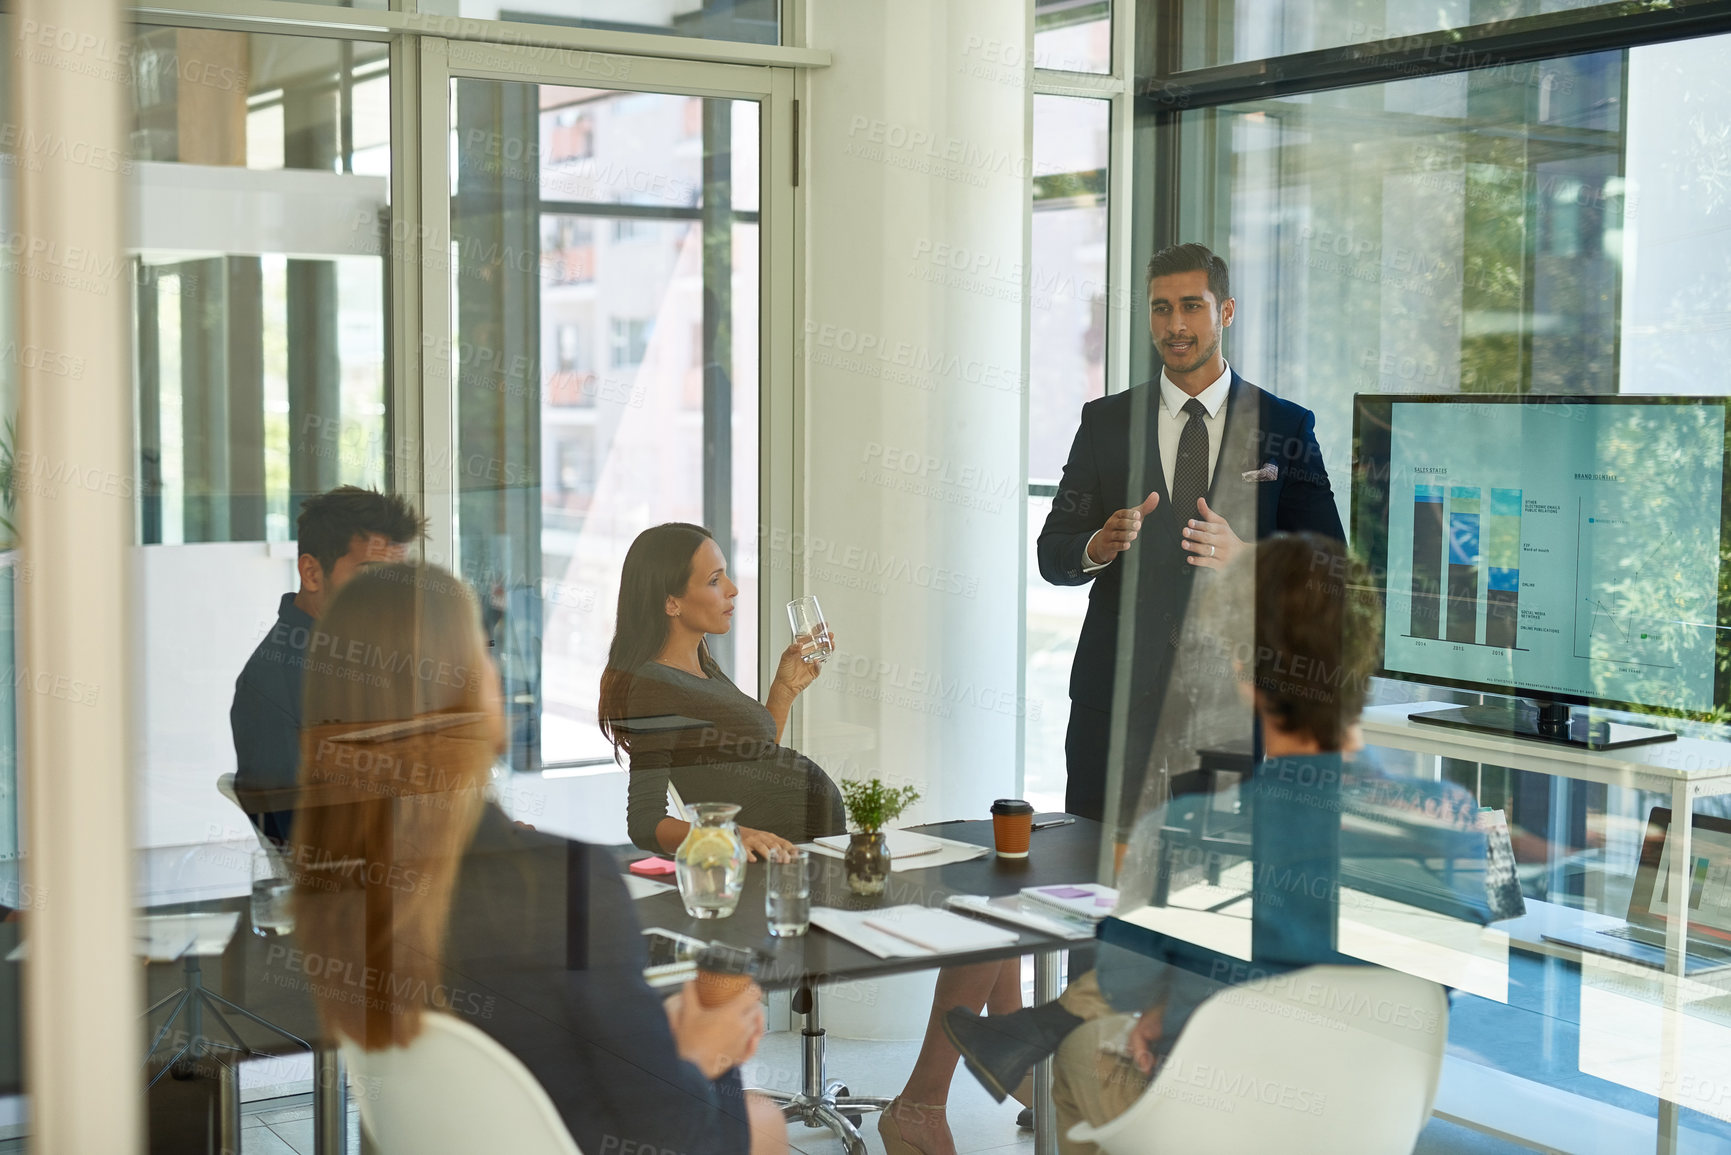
x=668 y=707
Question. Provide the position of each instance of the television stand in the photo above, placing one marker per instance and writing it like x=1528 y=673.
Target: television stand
x=1545 y=721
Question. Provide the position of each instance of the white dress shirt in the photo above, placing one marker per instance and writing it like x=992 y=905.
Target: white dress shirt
x=1170 y=420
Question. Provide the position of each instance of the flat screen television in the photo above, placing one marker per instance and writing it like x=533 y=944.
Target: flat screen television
x=1564 y=551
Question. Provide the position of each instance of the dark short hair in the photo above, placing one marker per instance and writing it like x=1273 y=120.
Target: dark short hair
x=1191 y=258
x=1312 y=634
x=330 y=522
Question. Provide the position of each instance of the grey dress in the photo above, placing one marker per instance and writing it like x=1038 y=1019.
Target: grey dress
x=732 y=757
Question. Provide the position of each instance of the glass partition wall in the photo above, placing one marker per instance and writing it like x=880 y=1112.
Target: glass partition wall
x=607 y=376
x=1404 y=218
x=560 y=351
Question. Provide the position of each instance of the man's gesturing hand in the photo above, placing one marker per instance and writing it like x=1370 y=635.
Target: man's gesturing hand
x=1209 y=539
x=1119 y=531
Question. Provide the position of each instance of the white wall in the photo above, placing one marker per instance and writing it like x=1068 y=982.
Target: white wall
x=202 y=609
x=916 y=179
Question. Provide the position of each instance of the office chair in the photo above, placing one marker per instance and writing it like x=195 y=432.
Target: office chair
x=820 y=1102
x=453 y=1091
x=1276 y=1068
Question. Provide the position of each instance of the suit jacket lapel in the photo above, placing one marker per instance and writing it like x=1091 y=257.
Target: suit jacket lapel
x=1240 y=440
x=1242 y=449
x=1157 y=466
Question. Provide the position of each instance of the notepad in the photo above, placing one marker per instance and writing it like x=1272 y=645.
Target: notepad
x=1088 y=900
x=1018 y=911
x=906 y=931
x=939 y=931
x=900 y=843
x=168 y=937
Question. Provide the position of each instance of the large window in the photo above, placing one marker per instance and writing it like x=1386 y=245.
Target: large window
x=1505 y=223
x=1069 y=36
x=261 y=305
x=753 y=21
x=1067 y=320
x=606 y=316
x=261 y=363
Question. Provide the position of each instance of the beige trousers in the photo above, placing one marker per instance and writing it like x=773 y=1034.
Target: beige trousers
x=1091 y=1084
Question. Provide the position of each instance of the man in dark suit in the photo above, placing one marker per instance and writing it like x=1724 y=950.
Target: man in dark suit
x=1193 y=464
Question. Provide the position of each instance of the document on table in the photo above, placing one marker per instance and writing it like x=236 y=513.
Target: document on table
x=1017 y=911
x=900 y=843
x=946 y=852
x=638 y=887
x=910 y=931
x=167 y=937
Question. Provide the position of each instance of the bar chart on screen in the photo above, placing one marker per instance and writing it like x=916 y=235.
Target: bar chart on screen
x=1481 y=542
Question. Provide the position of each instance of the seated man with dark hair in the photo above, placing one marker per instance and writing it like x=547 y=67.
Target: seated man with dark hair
x=338 y=533
x=1313 y=821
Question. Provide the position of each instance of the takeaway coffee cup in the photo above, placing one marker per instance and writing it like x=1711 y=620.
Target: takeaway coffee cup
x=722 y=972
x=1012 y=823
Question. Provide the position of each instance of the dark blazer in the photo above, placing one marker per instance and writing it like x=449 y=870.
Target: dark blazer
x=265 y=720
x=1261 y=430
x=544 y=953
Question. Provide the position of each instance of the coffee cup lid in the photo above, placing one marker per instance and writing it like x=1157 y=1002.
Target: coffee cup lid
x=1012 y=806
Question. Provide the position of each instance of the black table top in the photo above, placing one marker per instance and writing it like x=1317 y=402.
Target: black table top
x=1057 y=855
x=259 y=973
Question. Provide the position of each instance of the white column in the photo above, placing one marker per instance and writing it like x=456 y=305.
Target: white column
x=68 y=261
x=914 y=362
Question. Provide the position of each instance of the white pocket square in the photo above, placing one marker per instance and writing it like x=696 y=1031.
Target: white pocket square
x=1269 y=472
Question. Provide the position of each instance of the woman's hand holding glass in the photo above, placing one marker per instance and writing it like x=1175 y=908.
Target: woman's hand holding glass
x=793 y=672
x=716 y=1039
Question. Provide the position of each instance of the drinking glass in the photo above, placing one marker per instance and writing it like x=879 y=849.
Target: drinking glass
x=271 y=887
x=787 y=892
x=809 y=629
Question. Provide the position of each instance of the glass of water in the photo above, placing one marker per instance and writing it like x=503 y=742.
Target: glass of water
x=787 y=892
x=809 y=629
x=271 y=886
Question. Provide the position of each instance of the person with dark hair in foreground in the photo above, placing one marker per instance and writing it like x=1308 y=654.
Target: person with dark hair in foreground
x=421 y=897
x=339 y=533
x=673 y=593
x=1306 y=679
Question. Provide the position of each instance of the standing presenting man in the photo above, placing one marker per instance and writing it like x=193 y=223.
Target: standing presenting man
x=1217 y=461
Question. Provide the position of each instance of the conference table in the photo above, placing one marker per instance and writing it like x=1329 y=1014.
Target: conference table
x=259 y=973
x=1058 y=855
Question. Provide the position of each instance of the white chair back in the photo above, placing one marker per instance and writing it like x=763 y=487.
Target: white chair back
x=1335 y=1060
x=453 y=1091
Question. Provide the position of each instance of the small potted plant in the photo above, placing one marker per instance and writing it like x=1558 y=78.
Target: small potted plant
x=870 y=807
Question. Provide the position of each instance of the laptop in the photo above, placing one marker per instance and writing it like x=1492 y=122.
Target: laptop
x=1641 y=939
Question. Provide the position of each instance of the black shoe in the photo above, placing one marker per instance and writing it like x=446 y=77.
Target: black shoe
x=1000 y=1050
x=1025 y=1120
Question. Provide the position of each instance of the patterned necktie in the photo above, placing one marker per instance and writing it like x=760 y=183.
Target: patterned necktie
x=1190 y=470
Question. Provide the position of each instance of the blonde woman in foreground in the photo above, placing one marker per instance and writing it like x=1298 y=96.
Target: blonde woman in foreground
x=419 y=896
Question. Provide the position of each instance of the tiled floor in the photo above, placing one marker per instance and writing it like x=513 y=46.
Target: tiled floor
x=879 y=1068
x=285 y=1127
